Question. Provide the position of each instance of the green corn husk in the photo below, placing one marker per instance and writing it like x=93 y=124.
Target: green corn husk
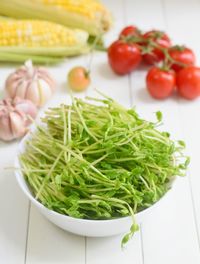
x=46 y=51
x=3 y=18
x=34 y=9
x=13 y=57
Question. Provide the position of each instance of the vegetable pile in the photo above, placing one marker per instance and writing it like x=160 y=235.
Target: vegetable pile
x=173 y=66
x=47 y=31
x=100 y=161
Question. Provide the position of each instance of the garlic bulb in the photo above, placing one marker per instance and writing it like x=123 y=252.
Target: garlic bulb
x=28 y=82
x=14 y=117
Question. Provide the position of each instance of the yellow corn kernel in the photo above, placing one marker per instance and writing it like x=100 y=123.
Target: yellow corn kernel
x=87 y=8
x=36 y=33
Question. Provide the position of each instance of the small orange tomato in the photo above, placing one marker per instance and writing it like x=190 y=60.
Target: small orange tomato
x=78 y=79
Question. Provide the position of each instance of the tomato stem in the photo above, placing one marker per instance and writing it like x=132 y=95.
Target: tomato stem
x=150 y=45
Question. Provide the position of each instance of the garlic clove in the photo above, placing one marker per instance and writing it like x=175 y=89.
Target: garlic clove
x=17 y=125
x=11 y=85
x=27 y=107
x=32 y=93
x=21 y=89
x=44 y=91
x=21 y=73
x=43 y=74
x=5 y=128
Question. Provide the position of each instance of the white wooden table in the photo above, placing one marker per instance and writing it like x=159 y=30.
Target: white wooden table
x=171 y=233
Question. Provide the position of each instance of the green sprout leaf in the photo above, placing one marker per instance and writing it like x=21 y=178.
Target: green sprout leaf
x=159 y=116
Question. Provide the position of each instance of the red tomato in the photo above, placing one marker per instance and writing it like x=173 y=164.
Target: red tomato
x=160 y=83
x=129 y=31
x=159 y=38
x=188 y=82
x=183 y=55
x=124 y=57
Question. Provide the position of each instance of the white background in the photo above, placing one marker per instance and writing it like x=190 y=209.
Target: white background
x=171 y=233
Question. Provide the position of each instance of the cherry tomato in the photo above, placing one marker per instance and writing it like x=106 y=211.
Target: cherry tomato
x=130 y=31
x=160 y=39
x=124 y=57
x=188 y=82
x=78 y=79
x=160 y=83
x=183 y=55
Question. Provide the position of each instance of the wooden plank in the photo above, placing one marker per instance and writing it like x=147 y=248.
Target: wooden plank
x=14 y=211
x=188 y=18
x=108 y=250
x=49 y=244
x=146 y=15
x=182 y=21
x=13 y=205
x=169 y=234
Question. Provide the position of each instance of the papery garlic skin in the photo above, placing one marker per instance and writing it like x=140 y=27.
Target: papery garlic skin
x=27 y=107
x=32 y=83
x=15 y=116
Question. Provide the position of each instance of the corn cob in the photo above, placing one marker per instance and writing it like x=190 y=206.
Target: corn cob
x=36 y=33
x=89 y=15
x=40 y=38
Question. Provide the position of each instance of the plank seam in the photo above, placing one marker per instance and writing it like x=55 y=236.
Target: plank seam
x=142 y=244
x=124 y=11
x=85 y=250
x=27 y=231
x=130 y=90
x=164 y=13
x=193 y=208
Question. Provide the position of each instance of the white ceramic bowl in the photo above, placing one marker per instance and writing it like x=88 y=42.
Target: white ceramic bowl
x=83 y=227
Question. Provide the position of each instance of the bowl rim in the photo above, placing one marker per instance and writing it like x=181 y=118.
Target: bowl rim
x=26 y=190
